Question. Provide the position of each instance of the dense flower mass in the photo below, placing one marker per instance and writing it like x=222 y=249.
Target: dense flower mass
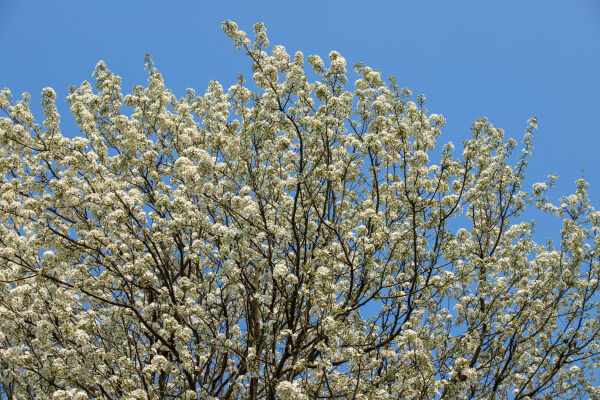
x=289 y=238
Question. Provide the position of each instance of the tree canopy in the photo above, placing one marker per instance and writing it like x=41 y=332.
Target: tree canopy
x=286 y=238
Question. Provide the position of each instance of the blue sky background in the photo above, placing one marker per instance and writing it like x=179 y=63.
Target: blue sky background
x=506 y=60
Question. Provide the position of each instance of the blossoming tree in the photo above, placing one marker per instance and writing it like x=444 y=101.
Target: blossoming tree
x=290 y=241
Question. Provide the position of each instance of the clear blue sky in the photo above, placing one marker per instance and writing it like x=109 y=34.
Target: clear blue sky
x=507 y=60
